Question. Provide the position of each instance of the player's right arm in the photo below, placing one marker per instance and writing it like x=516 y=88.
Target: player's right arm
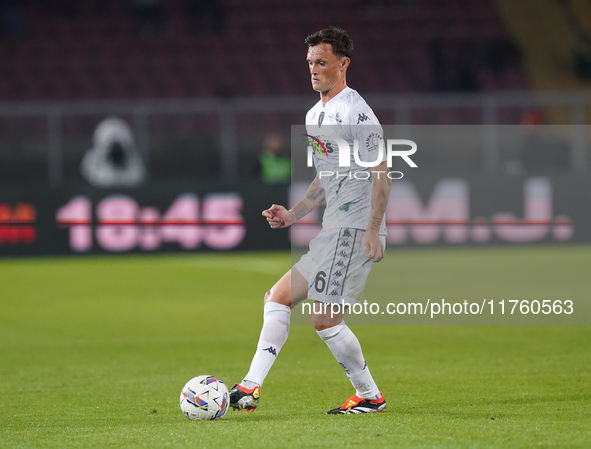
x=279 y=217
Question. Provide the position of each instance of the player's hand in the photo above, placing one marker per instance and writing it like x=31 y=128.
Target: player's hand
x=278 y=217
x=373 y=246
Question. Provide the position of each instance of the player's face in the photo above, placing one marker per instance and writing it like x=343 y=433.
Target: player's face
x=326 y=68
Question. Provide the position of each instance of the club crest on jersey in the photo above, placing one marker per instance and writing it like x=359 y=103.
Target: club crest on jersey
x=320 y=119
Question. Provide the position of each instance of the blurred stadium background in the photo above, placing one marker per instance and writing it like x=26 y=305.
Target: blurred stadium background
x=200 y=84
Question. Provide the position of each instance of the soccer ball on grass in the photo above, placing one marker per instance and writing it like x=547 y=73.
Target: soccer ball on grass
x=204 y=398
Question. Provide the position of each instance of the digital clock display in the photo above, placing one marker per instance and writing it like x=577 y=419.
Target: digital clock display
x=118 y=223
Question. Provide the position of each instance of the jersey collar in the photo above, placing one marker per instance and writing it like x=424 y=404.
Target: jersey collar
x=346 y=89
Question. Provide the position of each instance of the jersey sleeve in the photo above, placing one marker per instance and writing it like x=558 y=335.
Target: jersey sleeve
x=366 y=129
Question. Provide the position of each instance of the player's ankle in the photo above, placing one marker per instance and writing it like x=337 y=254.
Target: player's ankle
x=249 y=385
x=370 y=396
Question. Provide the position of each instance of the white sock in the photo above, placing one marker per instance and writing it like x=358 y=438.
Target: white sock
x=273 y=336
x=344 y=345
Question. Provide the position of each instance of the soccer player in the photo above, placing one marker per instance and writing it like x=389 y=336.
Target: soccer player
x=353 y=231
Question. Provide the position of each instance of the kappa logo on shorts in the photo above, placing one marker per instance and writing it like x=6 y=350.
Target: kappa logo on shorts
x=344 y=250
x=344 y=367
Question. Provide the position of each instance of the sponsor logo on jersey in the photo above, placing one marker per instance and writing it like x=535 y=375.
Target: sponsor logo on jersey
x=317 y=143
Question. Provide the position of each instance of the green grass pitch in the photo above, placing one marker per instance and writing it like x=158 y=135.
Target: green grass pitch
x=94 y=352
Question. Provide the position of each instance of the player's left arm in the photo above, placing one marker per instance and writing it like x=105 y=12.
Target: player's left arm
x=380 y=192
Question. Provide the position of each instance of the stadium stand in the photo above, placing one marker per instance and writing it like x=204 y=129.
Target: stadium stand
x=97 y=50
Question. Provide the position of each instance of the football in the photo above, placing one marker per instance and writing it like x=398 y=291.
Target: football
x=204 y=398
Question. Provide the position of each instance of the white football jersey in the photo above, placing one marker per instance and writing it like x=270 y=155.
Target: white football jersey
x=348 y=190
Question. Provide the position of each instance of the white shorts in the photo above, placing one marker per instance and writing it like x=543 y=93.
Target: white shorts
x=336 y=267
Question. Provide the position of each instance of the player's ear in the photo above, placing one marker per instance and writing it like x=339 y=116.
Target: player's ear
x=345 y=62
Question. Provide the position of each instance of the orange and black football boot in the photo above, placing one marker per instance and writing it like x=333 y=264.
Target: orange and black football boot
x=242 y=398
x=355 y=405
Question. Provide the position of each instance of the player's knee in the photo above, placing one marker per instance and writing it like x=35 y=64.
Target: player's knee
x=321 y=327
x=275 y=296
x=322 y=322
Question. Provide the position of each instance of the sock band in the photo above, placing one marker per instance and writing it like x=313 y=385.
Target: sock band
x=331 y=332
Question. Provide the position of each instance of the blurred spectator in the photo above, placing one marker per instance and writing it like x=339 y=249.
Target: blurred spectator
x=208 y=15
x=150 y=15
x=273 y=167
